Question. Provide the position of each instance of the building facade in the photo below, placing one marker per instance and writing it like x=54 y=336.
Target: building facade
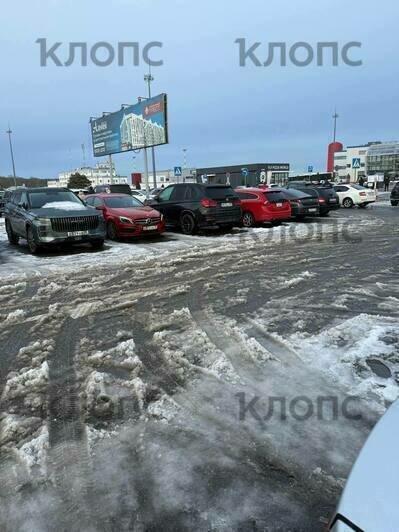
x=245 y=174
x=101 y=174
x=167 y=177
x=383 y=158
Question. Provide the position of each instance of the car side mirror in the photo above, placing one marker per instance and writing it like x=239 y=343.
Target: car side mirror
x=23 y=206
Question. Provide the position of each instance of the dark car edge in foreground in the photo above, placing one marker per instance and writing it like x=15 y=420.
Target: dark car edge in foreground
x=51 y=216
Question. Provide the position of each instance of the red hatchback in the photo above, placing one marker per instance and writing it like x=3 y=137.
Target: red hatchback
x=126 y=216
x=263 y=205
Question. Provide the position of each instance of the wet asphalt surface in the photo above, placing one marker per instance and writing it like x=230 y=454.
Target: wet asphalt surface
x=202 y=468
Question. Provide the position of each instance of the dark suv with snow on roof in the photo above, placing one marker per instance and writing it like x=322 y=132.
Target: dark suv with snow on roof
x=49 y=216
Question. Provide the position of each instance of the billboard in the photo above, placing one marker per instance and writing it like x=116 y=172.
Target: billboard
x=142 y=125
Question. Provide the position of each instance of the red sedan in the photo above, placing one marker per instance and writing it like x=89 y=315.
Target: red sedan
x=126 y=216
x=263 y=205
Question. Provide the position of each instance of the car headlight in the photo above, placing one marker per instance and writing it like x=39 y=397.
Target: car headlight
x=126 y=220
x=161 y=217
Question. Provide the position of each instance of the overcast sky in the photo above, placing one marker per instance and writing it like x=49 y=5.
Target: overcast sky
x=222 y=113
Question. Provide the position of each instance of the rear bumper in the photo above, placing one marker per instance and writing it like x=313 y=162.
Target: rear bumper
x=333 y=206
x=219 y=217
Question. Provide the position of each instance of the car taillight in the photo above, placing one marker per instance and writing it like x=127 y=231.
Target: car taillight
x=208 y=203
x=322 y=200
x=362 y=194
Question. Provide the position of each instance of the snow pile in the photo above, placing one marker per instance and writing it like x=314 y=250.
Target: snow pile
x=34 y=452
x=26 y=381
x=342 y=352
x=65 y=206
x=14 y=428
x=15 y=316
x=121 y=356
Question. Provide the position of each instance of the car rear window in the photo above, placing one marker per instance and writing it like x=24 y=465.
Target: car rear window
x=220 y=193
x=274 y=196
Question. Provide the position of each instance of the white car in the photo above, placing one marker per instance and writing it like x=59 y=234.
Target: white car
x=350 y=195
x=139 y=194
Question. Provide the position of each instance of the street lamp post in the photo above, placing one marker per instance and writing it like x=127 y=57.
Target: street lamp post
x=9 y=132
x=184 y=163
x=148 y=78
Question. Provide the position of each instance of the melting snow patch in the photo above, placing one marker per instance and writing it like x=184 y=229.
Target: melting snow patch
x=65 y=206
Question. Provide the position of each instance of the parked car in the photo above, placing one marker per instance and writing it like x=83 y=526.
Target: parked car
x=370 y=498
x=350 y=195
x=125 y=216
x=263 y=205
x=191 y=206
x=328 y=198
x=48 y=216
x=302 y=205
x=139 y=194
x=113 y=189
x=2 y=202
x=395 y=195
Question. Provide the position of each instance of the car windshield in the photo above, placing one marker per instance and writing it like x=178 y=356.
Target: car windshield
x=45 y=198
x=218 y=193
x=121 y=202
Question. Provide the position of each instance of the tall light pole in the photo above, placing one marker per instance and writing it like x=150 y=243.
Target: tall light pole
x=148 y=78
x=9 y=132
x=184 y=162
x=335 y=116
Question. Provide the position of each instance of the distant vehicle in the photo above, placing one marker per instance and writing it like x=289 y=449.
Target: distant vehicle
x=191 y=206
x=328 y=198
x=113 y=189
x=350 y=195
x=369 y=501
x=139 y=194
x=263 y=205
x=125 y=216
x=395 y=195
x=302 y=204
x=2 y=202
x=49 y=216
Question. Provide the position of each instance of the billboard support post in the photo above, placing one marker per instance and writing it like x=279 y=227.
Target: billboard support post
x=110 y=167
x=147 y=186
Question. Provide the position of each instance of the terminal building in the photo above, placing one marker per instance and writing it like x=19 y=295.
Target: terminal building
x=368 y=159
x=245 y=174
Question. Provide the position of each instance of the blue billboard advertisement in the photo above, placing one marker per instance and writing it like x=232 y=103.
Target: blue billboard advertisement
x=138 y=126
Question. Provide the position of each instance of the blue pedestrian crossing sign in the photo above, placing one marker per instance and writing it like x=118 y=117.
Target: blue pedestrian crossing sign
x=178 y=171
x=310 y=169
x=356 y=163
x=245 y=172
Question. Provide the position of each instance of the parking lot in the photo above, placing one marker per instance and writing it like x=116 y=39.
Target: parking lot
x=149 y=379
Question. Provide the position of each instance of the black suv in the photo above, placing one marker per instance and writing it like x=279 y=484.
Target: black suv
x=328 y=198
x=395 y=195
x=192 y=206
x=2 y=202
x=48 y=216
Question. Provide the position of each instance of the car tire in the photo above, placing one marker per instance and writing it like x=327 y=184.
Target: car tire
x=13 y=239
x=300 y=217
x=34 y=248
x=347 y=203
x=394 y=203
x=97 y=244
x=248 y=219
x=112 y=232
x=187 y=224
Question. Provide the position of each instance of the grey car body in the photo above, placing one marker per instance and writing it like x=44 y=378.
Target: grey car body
x=47 y=216
x=302 y=204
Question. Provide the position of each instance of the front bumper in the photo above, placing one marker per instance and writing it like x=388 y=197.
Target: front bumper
x=45 y=236
x=130 y=230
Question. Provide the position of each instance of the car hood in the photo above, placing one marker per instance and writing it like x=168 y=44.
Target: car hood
x=135 y=212
x=61 y=213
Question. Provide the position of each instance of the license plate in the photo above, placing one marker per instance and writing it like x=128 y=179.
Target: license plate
x=312 y=210
x=226 y=204
x=279 y=205
x=333 y=201
x=78 y=233
x=150 y=228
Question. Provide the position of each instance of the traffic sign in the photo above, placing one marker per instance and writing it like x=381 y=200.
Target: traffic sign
x=356 y=162
x=310 y=169
x=178 y=171
x=245 y=172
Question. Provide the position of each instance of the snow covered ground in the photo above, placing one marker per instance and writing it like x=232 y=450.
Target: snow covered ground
x=124 y=376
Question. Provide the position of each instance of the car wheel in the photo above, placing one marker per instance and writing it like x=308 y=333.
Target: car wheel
x=248 y=219
x=97 y=244
x=300 y=217
x=187 y=224
x=347 y=203
x=34 y=248
x=112 y=232
x=394 y=203
x=13 y=239
x=276 y=223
